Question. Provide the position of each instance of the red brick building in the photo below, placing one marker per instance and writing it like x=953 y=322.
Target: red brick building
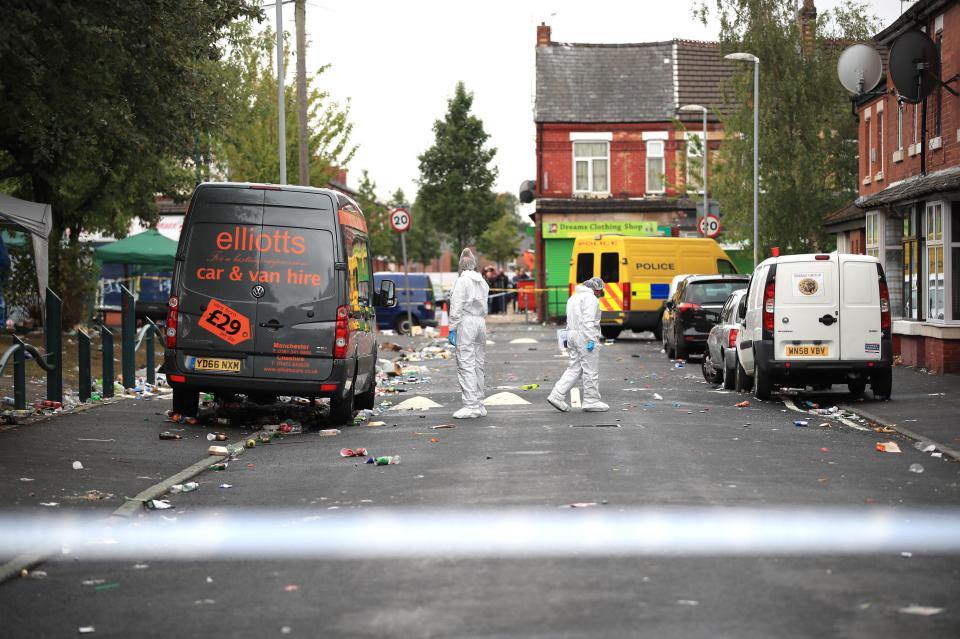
x=609 y=148
x=910 y=214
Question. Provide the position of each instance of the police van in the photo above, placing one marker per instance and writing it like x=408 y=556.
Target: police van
x=637 y=272
x=273 y=294
x=816 y=320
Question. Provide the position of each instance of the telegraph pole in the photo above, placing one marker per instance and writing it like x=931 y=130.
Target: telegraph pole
x=281 y=116
x=300 y=13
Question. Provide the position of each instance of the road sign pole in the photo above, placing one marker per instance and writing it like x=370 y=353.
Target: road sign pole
x=406 y=279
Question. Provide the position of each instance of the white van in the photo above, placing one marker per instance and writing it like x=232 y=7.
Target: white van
x=817 y=320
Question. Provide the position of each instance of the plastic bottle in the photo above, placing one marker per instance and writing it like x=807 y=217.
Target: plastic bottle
x=9 y=401
x=168 y=435
x=216 y=437
x=388 y=460
x=190 y=486
x=218 y=466
x=530 y=386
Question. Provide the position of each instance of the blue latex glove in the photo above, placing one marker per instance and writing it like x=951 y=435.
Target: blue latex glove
x=452 y=338
x=590 y=346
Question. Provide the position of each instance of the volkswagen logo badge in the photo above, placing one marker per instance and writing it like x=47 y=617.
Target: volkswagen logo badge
x=258 y=291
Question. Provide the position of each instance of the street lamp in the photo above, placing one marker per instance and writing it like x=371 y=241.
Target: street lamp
x=749 y=57
x=697 y=107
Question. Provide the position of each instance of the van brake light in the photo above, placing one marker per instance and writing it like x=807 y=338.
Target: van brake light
x=821 y=257
x=342 y=334
x=768 y=306
x=626 y=295
x=884 y=306
x=170 y=331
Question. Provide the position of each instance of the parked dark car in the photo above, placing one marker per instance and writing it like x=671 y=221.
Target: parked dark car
x=419 y=299
x=693 y=310
x=720 y=359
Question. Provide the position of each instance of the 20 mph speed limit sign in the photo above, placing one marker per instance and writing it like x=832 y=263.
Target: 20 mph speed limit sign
x=400 y=220
x=709 y=225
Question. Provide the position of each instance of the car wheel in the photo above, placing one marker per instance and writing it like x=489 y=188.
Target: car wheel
x=341 y=410
x=881 y=383
x=186 y=401
x=680 y=349
x=762 y=384
x=729 y=375
x=368 y=398
x=743 y=381
x=666 y=347
x=402 y=325
x=710 y=373
x=610 y=332
x=857 y=387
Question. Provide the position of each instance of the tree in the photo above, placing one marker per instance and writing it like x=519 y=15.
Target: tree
x=248 y=148
x=455 y=196
x=383 y=240
x=807 y=161
x=423 y=242
x=102 y=103
x=501 y=241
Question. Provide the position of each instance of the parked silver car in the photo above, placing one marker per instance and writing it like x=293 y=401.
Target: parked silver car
x=720 y=359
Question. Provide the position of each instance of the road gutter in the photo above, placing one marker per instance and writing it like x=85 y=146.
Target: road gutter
x=946 y=450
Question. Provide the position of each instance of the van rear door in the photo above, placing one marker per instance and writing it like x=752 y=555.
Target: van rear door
x=217 y=312
x=860 y=309
x=297 y=311
x=807 y=306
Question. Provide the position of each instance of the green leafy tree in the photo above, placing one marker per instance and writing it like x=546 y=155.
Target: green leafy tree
x=248 y=149
x=102 y=103
x=423 y=241
x=455 y=195
x=807 y=157
x=501 y=241
x=383 y=241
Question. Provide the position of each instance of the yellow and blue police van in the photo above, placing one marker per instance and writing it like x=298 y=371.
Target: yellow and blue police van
x=637 y=272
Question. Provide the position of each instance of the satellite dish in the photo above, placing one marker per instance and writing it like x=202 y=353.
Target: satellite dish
x=914 y=66
x=859 y=68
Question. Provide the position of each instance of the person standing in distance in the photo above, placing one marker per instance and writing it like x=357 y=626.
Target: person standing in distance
x=468 y=333
x=583 y=335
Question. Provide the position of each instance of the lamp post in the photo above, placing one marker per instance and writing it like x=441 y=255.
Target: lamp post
x=749 y=57
x=706 y=197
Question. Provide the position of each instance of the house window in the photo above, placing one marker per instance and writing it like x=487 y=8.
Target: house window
x=954 y=281
x=911 y=266
x=938 y=109
x=655 y=167
x=879 y=154
x=872 y=239
x=899 y=126
x=933 y=221
x=695 y=163
x=871 y=151
x=590 y=162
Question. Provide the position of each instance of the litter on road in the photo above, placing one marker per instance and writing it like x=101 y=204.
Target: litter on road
x=77 y=465
x=916 y=468
x=887 y=447
x=350 y=452
x=925 y=611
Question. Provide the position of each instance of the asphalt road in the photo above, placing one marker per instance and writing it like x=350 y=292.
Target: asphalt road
x=692 y=448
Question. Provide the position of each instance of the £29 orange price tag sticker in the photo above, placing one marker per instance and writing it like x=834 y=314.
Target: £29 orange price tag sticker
x=225 y=323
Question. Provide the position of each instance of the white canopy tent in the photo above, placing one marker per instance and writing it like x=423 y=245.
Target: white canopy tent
x=37 y=219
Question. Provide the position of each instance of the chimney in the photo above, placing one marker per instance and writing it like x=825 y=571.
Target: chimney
x=543 y=35
x=808 y=25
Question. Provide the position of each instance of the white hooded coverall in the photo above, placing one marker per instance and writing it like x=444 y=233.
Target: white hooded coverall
x=468 y=308
x=583 y=325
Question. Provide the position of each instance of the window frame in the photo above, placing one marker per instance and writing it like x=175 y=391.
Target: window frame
x=937 y=240
x=591 y=169
x=873 y=235
x=661 y=174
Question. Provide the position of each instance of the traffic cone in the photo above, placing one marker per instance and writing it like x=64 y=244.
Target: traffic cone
x=444 y=323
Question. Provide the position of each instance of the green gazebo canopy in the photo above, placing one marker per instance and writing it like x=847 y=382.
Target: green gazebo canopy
x=147 y=249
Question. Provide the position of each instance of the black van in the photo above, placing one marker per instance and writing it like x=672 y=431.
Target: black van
x=273 y=295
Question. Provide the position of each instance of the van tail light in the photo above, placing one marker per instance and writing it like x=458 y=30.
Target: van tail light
x=626 y=295
x=688 y=306
x=428 y=306
x=342 y=335
x=768 y=306
x=884 y=306
x=170 y=331
x=732 y=337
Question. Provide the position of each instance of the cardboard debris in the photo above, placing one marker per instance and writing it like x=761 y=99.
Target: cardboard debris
x=504 y=399
x=887 y=447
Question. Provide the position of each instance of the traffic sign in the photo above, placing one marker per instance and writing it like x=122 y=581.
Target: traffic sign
x=709 y=226
x=400 y=220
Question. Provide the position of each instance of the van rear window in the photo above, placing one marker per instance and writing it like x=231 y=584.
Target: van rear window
x=610 y=267
x=225 y=261
x=584 y=267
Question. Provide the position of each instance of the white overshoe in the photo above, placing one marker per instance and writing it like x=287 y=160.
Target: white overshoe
x=596 y=407
x=559 y=404
x=483 y=410
x=466 y=413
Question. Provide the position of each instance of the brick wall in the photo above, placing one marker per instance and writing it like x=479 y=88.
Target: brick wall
x=908 y=164
x=937 y=355
x=628 y=156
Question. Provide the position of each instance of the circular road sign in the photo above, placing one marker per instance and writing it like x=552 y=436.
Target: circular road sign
x=400 y=220
x=709 y=225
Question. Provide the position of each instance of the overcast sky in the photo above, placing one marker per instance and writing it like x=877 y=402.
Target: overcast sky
x=399 y=62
